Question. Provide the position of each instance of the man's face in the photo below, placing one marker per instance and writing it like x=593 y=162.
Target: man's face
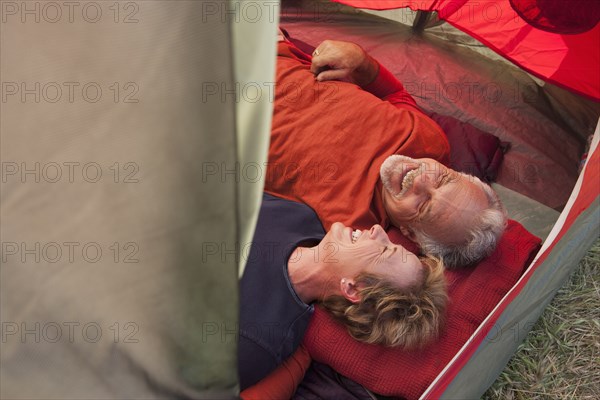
x=422 y=194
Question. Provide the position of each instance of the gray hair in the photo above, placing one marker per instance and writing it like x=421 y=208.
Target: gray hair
x=482 y=238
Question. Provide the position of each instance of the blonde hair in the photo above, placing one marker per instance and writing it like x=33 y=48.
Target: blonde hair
x=393 y=316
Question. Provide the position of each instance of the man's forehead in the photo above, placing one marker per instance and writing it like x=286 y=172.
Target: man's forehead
x=460 y=194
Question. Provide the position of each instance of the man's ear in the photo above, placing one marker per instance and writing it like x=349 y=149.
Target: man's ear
x=349 y=290
x=406 y=231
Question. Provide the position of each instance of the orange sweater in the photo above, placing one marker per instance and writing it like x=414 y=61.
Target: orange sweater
x=329 y=140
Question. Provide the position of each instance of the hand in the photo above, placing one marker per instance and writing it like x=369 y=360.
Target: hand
x=336 y=60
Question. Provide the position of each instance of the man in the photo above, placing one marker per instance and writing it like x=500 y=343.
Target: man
x=381 y=292
x=331 y=142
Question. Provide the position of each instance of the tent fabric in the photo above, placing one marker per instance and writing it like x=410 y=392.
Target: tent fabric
x=119 y=206
x=253 y=77
x=568 y=60
x=555 y=16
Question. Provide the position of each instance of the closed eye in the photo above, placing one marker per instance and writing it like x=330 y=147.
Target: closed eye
x=388 y=251
x=424 y=207
x=442 y=180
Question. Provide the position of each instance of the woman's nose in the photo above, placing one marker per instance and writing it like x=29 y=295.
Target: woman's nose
x=377 y=232
x=337 y=225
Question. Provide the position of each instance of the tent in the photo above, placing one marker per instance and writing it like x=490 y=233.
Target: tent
x=132 y=154
x=567 y=234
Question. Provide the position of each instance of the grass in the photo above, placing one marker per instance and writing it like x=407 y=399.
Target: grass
x=560 y=358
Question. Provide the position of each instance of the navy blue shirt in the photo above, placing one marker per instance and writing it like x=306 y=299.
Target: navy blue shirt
x=273 y=319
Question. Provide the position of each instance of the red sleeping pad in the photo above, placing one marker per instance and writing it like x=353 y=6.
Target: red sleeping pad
x=474 y=292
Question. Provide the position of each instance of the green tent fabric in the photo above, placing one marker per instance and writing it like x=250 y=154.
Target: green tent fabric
x=120 y=212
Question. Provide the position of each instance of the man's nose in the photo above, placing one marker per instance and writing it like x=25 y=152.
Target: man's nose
x=425 y=182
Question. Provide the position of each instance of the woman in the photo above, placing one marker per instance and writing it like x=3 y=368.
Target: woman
x=381 y=292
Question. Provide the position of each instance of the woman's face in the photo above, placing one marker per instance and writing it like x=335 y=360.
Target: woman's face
x=369 y=251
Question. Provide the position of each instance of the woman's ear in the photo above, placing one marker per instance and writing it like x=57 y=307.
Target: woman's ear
x=349 y=290
x=406 y=231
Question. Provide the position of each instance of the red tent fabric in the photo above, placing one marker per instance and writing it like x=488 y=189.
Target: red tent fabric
x=553 y=16
x=533 y=34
